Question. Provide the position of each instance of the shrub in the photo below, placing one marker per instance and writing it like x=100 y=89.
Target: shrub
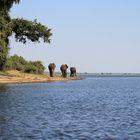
x=19 y=63
x=16 y=63
x=30 y=68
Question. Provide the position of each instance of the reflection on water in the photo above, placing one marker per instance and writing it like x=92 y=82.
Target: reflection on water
x=94 y=108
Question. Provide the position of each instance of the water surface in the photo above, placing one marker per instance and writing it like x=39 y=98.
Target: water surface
x=102 y=108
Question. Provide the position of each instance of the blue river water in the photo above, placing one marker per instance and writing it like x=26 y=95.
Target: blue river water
x=102 y=108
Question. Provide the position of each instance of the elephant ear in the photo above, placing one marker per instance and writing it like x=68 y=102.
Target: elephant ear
x=66 y=65
x=54 y=64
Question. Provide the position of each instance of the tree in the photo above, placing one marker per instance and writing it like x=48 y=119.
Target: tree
x=23 y=30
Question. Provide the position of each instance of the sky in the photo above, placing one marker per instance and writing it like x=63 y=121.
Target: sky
x=92 y=35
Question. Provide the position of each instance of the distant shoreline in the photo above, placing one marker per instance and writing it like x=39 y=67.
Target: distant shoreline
x=16 y=77
x=110 y=75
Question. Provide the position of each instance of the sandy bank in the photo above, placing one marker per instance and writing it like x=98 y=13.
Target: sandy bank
x=10 y=77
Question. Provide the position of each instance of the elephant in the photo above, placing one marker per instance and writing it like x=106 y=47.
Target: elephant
x=73 y=71
x=63 y=69
x=51 y=68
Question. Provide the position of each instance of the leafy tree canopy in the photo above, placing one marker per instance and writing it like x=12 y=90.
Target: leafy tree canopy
x=30 y=30
x=7 y=4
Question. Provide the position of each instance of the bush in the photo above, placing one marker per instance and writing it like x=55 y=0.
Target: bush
x=39 y=66
x=34 y=67
x=19 y=63
x=30 y=68
x=15 y=63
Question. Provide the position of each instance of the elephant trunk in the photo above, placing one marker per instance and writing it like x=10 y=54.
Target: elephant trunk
x=51 y=73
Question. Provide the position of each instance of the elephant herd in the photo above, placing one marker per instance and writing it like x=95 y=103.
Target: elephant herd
x=63 y=69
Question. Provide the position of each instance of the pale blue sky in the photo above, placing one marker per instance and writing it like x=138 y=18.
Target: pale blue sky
x=93 y=35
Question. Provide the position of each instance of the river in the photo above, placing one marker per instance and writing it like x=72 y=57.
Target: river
x=102 y=108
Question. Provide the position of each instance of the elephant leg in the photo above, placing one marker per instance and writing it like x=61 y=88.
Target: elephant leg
x=72 y=74
x=62 y=73
x=65 y=74
x=52 y=73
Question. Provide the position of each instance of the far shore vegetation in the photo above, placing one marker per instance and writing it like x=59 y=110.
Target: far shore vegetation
x=109 y=74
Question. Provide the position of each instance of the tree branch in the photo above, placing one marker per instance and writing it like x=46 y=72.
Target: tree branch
x=30 y=30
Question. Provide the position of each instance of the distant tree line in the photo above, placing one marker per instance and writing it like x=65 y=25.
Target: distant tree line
x=19 y=63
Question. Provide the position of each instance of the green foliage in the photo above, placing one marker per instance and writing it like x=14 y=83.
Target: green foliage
x=23 y=30
x=30 y=68
x=5 y=32
x=15 y=62
x=30 y=30
x=34 y=67
x=3 y=53
x=19 y=63
x=7 y=4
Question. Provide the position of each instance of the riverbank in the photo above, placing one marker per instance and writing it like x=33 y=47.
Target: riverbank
x=10 y=77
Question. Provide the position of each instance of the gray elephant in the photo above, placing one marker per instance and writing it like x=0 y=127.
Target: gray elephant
x=63 y=69
x=72 y=72
x=51 y=68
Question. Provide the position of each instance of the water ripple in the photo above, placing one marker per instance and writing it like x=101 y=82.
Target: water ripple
x=94 y=108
